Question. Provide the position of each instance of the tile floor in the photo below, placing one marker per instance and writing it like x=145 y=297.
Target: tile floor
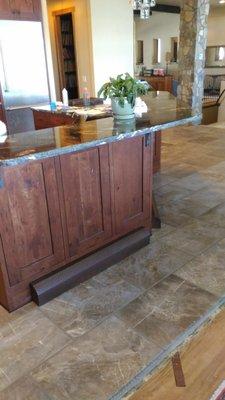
x=90 y=341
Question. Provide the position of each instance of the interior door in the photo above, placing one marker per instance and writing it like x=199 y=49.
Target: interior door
x=131 y=181
x=30 y=223
x=86 y=191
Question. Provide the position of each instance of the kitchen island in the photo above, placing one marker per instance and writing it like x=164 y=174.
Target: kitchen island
x=76 y=199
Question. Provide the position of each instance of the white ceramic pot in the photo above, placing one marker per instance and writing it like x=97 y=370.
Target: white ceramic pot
x=126 y=112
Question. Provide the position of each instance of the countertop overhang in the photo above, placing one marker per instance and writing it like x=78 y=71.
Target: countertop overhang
x=164 y=111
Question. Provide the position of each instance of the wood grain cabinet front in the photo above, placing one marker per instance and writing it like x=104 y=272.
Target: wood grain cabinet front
x=86 y=197
x=21 y=10
x=30 y=223
x=6 y=10
x=57 y=210
x=130 y=162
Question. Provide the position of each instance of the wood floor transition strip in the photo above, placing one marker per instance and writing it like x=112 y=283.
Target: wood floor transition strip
x=178 y=370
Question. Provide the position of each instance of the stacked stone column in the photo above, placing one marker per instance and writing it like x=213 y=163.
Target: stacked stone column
x=193 y=39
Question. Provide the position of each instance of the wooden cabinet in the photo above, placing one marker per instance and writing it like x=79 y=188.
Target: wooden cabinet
x=86 y=194
x=163 y=83
x=57 y=210
x=5 y=10
x=130 y=162
x=25 y=10
x=47 y=119
x=30 y=223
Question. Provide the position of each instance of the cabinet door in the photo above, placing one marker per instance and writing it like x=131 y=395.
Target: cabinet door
x=153 y=82
x=86 y=191
x=131 y=179
x=161 y=84
x=5 y=10
x=28 y=9
x=30 y=223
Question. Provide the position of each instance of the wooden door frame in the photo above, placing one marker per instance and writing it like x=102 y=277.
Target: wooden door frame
x=58 y=44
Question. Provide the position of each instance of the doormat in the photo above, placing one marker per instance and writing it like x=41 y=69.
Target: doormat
x=220 y=393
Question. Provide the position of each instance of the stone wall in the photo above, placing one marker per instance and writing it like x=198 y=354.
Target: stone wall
x=193 y=39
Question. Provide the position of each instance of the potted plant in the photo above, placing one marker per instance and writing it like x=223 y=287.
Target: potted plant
x=123 y=91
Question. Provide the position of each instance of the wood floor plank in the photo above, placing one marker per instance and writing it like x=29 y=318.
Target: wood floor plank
x=203 y=363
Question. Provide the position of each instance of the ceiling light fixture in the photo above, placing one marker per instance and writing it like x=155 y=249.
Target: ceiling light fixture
x=144 y=6
x=221 y=1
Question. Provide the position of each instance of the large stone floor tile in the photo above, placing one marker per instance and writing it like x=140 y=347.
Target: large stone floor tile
x=181 y=307
x=147 y=266
x=144 y=305
x=208 y=270
x=85 y=315
x=194 y=181
x=201 y=160
x=27 y=338
x=188 y=206
x=158 y=234
x=215 y=216
x=170 y=215
x=209 y=197
x=215 y=171
x=195 y=237
x=179 y=170
x=170 y=192
x=96 y=365
x=24 y=389
x=160 y=180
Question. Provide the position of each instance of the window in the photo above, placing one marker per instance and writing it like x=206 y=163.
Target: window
x=174 y=48
x=140 y=52
x=156 y=51
x=220 y=53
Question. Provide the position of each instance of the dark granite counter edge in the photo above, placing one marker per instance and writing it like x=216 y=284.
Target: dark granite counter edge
x=84 y=146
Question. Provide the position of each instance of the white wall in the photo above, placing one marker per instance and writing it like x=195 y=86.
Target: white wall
x=49 y=60
x=160 y=25
x=112 y=39
x=82 y=40
x=216 y=34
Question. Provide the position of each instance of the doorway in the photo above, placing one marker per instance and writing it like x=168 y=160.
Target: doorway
x=66 y=52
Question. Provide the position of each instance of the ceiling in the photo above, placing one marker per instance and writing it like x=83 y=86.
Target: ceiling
x=214 y=3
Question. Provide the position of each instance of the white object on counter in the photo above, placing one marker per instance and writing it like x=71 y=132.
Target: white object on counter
x=65 y=97
x=3 y=129
x=107 y=102
x=3 y=132
x=140 y=107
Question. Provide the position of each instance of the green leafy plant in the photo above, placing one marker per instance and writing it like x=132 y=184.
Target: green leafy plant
x=123 y=87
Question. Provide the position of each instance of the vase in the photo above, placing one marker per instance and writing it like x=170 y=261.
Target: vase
x=122 y=112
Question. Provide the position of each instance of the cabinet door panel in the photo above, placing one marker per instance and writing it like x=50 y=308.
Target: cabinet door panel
x=5 y=10
x=30 y=222
x=27 y=9
x=86 y=191
x=131 y=166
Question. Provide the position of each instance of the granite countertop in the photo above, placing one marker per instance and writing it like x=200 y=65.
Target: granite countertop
x=163 y=112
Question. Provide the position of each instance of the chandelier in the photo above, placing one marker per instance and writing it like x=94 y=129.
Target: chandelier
x=144 y=6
